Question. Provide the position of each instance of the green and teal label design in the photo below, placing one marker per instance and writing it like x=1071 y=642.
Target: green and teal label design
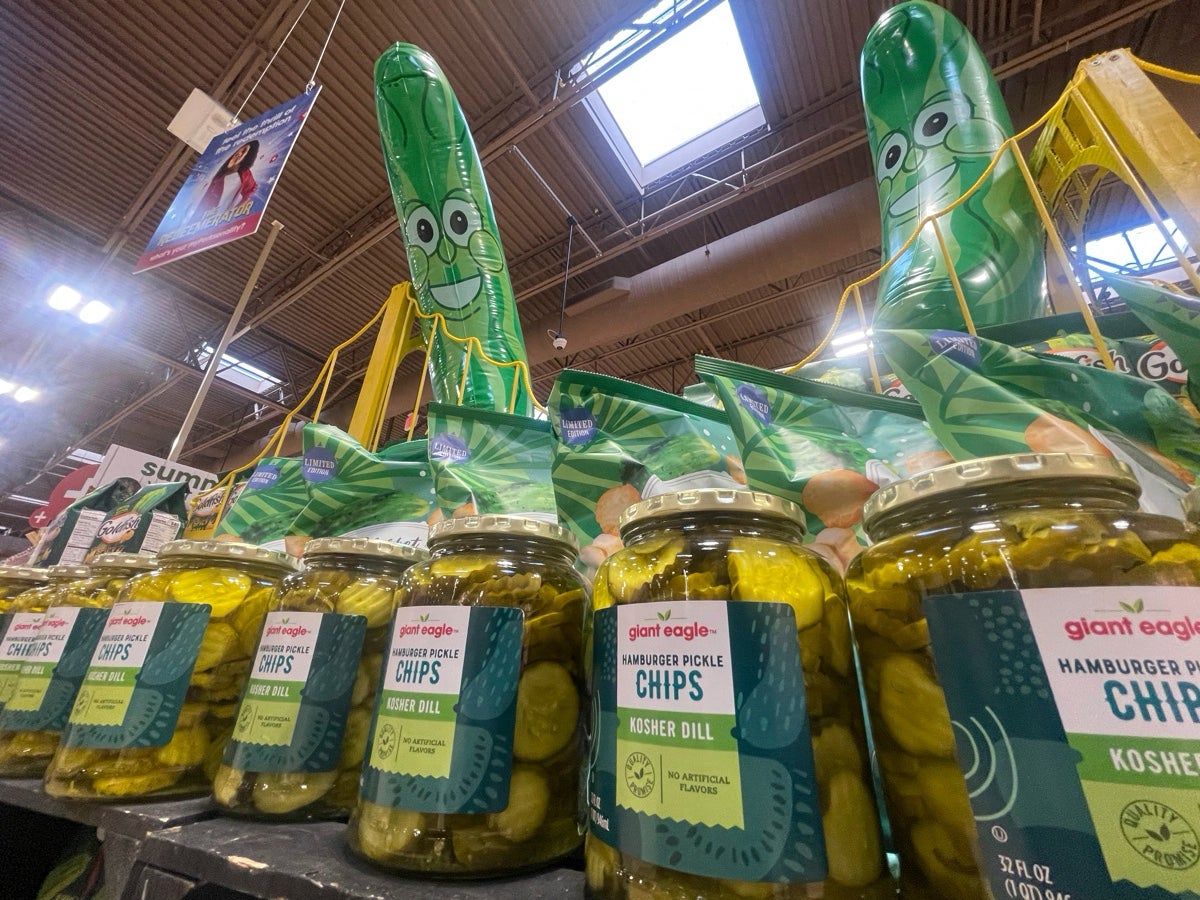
x=701 y=754
x=1077 y=719
x=138 y=677
x=442 y=735
x=293 y=712
x=19 y=644
x=50 y=678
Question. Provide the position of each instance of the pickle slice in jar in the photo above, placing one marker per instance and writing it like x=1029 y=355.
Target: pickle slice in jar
x=372 y=601
x=528 y=801
x=852 y=843
x=280 y=793
x=627 y=572
x=219 y=644
x=547 y=711
x=384 y=832
x=186 y=748
x=762 y=570
x=222 y=589
x=913 y=708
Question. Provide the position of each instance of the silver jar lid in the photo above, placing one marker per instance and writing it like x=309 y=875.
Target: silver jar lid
x=23 y=573
x=712 y=500
x=139 y=561
x=376 y=549
x=1015 y=468
x=234 y=551
x=68 y=573
x=512 y=525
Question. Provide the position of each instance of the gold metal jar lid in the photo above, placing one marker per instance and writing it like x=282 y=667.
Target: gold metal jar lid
x=68 y=573
x=22 y=573
x=712 y=500
x=1191 y=506
x=139 y=561
x=993 y=471
x=364 y=547
x=229 y=550
x=521 y=526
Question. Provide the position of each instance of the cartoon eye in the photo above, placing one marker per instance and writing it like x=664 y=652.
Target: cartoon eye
x=933 y=121
x=891 y=156
x=421 y=229
x=459 y=219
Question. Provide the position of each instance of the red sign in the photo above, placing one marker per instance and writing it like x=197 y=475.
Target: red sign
x=67 y=491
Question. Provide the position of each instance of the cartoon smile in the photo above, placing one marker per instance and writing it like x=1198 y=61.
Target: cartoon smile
x=930 y=184
x=456 y=294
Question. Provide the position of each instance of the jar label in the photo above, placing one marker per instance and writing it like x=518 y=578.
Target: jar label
x=701 y=754
x=20 y=643
x=293 y=712
x=138 y=677
x=50 y=680
x=1077 y=717
x=442 y=734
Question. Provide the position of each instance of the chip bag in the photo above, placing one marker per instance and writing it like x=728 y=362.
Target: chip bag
x=205 y=508
x=144 y=522
x=984 y=398
x=353 y=492
x=1174 y=317
x=618 y=442
x=825 y=447
x=67 y=540
x=488 y=462
x=266 y=506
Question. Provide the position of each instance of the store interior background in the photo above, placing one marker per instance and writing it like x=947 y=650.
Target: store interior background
x=741 y=254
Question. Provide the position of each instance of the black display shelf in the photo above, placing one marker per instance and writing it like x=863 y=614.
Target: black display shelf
x=134 y=820
x=311 y=862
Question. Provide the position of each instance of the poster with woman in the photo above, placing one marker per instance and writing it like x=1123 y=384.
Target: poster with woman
x=225 y=195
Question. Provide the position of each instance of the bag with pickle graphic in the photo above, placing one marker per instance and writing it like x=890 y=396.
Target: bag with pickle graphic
x=825 y=447
x=69 y=537
x=488 y=462
x=353 y=492
x=1174 y=317
x=144 y=522
x=853 y=372
x=984 y=398
x=619 y=442
x=265 y=508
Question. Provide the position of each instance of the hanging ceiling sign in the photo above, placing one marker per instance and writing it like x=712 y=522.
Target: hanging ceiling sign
x=145 y=468
x=226 y=193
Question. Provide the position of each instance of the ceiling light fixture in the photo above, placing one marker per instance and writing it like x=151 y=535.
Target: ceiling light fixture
x=853 y=350
x=24 y=394
x=856 y=336
x=6 y=386
x=63 y=297
x=94 y=312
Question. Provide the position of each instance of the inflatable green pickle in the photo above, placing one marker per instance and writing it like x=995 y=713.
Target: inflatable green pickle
x=455 y=259
x=935 y=118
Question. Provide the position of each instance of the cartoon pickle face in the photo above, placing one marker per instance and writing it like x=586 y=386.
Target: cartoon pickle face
x=926 y=166
x=935 y=118
x=451 y=253
x=455 y=258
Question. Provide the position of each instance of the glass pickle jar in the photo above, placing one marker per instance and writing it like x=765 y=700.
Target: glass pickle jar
x=15 y=580
x=478 y=736
x=314 y=675
x=34 y=716
x=24 y=617
x=1030 y=593
x=158 y=700
x=728 y=736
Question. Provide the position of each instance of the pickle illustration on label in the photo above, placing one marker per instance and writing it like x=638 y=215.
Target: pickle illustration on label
x=442 y=737
x=455 y=258
x=935 y=117
x=702 y=758
x=19 y=644
x=1077 y=719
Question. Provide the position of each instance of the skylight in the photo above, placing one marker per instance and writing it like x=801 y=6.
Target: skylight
x=688 y=96
x=1136 y=251
x=237 y=372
